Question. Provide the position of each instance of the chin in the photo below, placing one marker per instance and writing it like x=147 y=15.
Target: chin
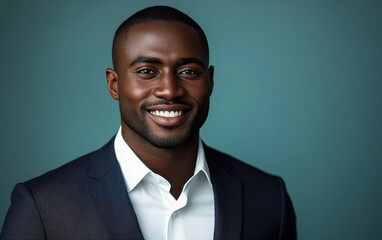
x=170 y=141
x=167 y=143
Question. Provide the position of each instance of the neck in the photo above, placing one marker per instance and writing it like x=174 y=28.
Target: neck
x=176 y=165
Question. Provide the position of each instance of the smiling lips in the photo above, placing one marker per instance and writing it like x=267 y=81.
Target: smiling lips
x=171 y=115
x=167 y=114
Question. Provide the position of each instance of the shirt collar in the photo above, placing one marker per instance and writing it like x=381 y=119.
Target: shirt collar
x=134 y=170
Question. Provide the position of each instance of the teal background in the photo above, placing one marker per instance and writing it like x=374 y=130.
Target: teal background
x=297 y=93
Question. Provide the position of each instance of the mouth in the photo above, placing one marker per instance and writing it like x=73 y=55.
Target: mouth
x=169 y=115
x=166 y=114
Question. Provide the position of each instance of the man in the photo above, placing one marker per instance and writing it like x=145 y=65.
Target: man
x=155 y=179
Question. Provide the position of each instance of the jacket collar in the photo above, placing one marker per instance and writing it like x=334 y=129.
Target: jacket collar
x=113 y=204
x=228 y=196
x=110 y=196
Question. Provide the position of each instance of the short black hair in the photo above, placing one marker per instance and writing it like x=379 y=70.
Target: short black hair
x=150 y=14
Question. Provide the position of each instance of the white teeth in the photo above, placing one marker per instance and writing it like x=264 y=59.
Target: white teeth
x=168 y=114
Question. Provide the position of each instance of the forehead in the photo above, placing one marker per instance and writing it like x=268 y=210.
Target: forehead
x=165 y=39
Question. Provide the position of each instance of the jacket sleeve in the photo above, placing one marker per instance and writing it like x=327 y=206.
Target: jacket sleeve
x=288 y=224
x=23 y=220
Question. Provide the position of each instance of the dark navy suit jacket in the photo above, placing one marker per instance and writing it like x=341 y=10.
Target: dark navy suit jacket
x=87 y=199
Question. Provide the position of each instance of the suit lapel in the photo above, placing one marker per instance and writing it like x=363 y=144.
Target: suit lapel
x=228 y=197
x=110 y=196
x=113 y=205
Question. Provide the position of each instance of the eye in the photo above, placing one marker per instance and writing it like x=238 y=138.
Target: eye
x=146 y=73
x=188 y=73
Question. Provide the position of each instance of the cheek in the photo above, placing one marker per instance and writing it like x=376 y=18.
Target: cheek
x=201 y=93
x=133 y=92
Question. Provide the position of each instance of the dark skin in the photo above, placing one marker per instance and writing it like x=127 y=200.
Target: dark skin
x=163 y=84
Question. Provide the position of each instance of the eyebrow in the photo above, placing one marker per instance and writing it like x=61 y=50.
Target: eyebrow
x=184 y=61
x=179 y=62
x=146 y=60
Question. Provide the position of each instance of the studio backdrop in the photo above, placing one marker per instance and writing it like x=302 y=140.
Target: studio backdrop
x=297 y=93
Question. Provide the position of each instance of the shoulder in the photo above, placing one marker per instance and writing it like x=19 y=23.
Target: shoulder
x=76 y=171
x=253 y=180
x=266 y=202
x=218 y=159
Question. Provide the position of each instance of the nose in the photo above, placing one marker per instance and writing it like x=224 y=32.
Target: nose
x=169 y=87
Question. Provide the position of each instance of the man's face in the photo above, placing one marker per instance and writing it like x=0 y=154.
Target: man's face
x=163 y=83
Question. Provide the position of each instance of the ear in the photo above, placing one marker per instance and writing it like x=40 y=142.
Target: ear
x=112 y=83
x=211 y=78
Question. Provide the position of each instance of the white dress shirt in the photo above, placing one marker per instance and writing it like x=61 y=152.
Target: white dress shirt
x=159 y=214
